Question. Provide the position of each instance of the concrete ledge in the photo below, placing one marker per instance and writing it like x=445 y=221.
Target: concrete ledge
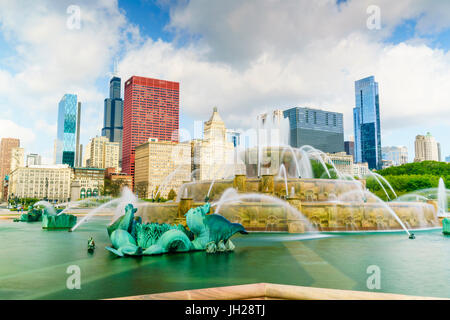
x=271 y=291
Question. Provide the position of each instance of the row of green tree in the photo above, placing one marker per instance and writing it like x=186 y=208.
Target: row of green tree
x=411 y=177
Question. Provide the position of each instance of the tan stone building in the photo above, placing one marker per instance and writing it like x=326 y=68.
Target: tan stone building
x=101 y=153
x=50 y=182
x=213 y=156
x=426 y=148
x=163 y=165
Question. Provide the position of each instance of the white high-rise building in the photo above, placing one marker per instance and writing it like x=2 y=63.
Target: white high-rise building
x=33 y=159
x=426 y=148
x=213 y=157
x=396 y=155
x=50 y=182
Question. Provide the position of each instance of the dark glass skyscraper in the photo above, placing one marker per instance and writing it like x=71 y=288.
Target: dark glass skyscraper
x=113 y=115
x=66 y=130
x=323 y=130
x=366 y=121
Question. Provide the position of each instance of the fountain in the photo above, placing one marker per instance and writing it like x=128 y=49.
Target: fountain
x=51 y=218
x=442 y=199
x=260 y=200
x=210 y=232
x=126 y=197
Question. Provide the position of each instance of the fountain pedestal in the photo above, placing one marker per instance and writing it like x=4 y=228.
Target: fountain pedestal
x=267 y=184
x=239 y=182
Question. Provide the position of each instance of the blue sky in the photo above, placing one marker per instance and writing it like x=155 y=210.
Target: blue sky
x=244 y=57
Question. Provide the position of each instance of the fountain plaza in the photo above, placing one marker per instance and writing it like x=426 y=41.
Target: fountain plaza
x=325 y=231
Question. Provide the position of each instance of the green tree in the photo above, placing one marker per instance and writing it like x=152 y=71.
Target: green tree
x=172 y=195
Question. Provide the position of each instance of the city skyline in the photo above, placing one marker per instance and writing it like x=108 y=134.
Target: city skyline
x=158 y=49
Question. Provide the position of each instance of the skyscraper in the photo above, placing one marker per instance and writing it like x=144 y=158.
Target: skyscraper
x=320 y=129
x=366 y=122
x=151 y=109
x=78 y=147
x=398 y=155
x=113 y=115
x=66 y=130
x=426 y=148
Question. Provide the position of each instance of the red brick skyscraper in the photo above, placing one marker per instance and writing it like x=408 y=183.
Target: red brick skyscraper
x=151 y=110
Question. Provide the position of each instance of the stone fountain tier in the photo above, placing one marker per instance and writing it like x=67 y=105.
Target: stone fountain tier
x=305 y=189
x=323 y=216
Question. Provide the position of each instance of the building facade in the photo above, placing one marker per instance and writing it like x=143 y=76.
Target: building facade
x=113 y=115
x=320 y=129
x=349 y=147
x=33 y=159
x=113 y=175
x=51 y=182
x=161 y=165
x=366 y=123
x=342 y=161
x=151 y=109
x=17 y=158
x=426 y=148
x=6 y=147
x=213 y=157
x=101 y=153
x=86 y=182
x=395 y=156
x=361 y=169
x=66 y=130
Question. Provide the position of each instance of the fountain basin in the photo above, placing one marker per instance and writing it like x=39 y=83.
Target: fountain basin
x=446 y=226
x=323 y=216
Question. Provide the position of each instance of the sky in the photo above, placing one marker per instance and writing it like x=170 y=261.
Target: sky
x=245 y=57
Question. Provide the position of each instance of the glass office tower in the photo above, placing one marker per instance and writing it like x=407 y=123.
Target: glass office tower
x=366 y=121
x=321 y=129
x=66 y=130
x=113 y=115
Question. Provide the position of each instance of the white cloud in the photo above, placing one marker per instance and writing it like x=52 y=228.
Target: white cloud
x=51 y=59
x=10 y=129
x=259 y=55
x=242 y=56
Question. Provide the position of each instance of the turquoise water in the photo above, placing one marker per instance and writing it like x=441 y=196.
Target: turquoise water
x=33 y=263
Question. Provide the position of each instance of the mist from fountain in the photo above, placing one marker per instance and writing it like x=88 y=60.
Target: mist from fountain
x=126 y=197
x=349 y=197
x=230 y=197
x=442 y=199
x=75 y=204
x=50 y=208
x=166 y=180
x=379 y=182
x=386 y=182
